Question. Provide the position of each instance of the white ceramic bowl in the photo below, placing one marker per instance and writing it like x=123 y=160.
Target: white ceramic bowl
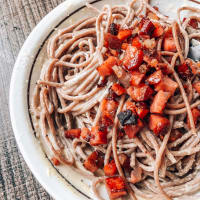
x=61 y=183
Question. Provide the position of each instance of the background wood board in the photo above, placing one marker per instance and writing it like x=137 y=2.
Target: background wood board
x=17 y=19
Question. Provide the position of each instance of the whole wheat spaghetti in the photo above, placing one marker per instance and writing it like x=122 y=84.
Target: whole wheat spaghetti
x=119 y=94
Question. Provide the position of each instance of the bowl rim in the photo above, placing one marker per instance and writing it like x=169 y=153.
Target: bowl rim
x=55 y=184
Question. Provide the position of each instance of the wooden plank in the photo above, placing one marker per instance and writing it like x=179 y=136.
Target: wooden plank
x=17 y=19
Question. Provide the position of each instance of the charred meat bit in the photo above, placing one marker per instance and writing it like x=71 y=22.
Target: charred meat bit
x=116 y=187
x=185 y=71
x=112 y=41
x=73 y=133
x=113 y=29
x=127 y=118
x=98 y=136
x=176 y=134
x=140 y=93
x=133 y=58
x=147 y=27
x=110 y=169
x=158 y=124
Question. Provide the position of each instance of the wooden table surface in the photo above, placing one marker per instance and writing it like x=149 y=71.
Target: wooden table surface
x=17 y=19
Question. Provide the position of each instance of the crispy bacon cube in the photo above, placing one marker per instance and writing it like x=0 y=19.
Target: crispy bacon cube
x=167 y=85
x=116 y=187
x=141 y=110
x=91 y=162
x=159 y=102
x=132 y=130
x=118 y=89
x=108 y=109
x=113 y=41
x=185 y=71
x=155 y=78
x=98 y=136
x=106 y=68
x=136 y=78
x=133 y=58
x=147 y=27
x=110 y=169
x=131 y=106
x=136 y=42
x=124 y=34
x=140 y=93
x=158 y=124
x=73 y=133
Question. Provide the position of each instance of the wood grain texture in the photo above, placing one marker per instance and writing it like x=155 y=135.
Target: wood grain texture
x=17 y=19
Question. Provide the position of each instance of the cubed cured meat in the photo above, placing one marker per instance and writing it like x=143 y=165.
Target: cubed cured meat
x=91 y=162
x=124 y=34
x=133 y=58
x=73 y=133
x=140 y=93
x=98 y=136
x=110 y=169
x=116 y=187
x=158 y=124
x=112 y=41
x=159 y=102
x=155 y=78
x=147 y=27
x=136 y=78
x=167 y=85
x=106 y=68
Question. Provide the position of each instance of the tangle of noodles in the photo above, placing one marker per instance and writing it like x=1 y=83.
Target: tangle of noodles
x=71 y=91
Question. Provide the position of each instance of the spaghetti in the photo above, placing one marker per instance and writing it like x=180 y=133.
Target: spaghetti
x=101 y=97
